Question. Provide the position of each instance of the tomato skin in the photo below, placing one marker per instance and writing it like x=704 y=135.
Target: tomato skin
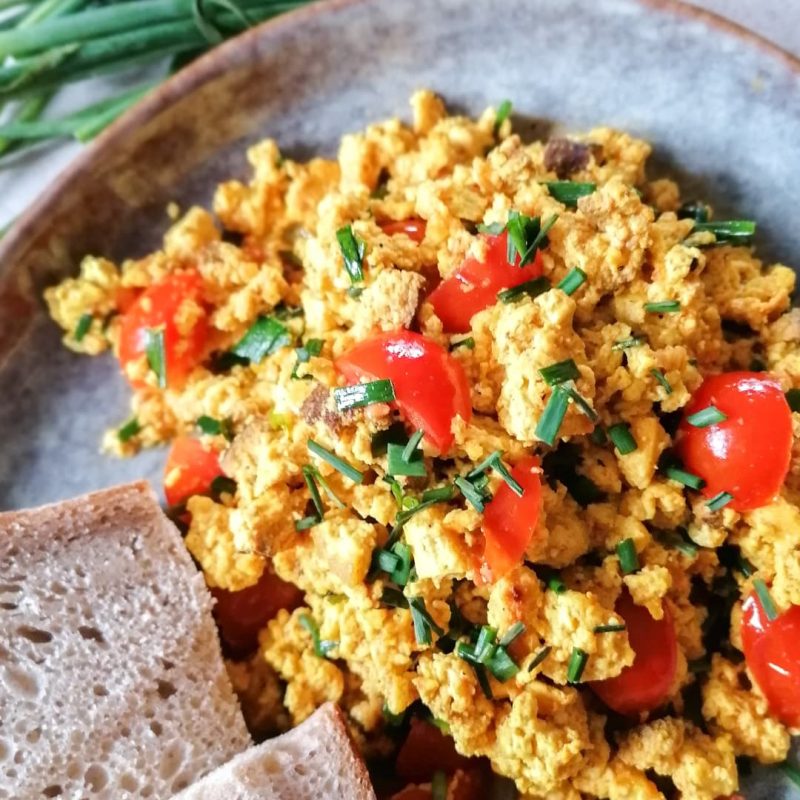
x=772 y=652
x=475 y=284
x=158 y=307
x=241 y=615
x=189 y=470
x=427 y=750
x=509 y=521
x=645 y=684
x=430 y=386
x=412 y=227
x=748 y=454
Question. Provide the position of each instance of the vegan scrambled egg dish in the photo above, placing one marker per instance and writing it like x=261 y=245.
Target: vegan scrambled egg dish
x=490 y=442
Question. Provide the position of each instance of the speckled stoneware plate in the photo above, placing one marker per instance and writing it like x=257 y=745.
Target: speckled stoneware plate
x=719 y=104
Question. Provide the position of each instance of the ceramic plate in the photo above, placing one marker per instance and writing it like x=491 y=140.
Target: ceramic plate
x=721 y=107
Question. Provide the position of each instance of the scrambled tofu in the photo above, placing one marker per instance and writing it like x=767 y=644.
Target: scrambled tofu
x=626 y=307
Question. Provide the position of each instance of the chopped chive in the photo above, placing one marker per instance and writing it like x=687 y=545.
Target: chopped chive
x=517 y=629
x=580 y=401
x=82 y=328
x=737 y=231
x=424 y=624
x=710 y=415
x=321 y=646
x=394 y=598
x=263 y=338
x=663 y=307
x=483 y=681
x=397 y=465
x=467 y=341
x=437 y=495
x=765 y=599
x=355 y=292
x=526 y=235
x=744 y=566
x=306 y=522
x=686 y=478
x=467 y=653
x=402 y=571
x=503 y=113
x=612 y=628
x=313 y=347
x=560 y=372
x=485 y=645
x=156 y=355
x=127 y=431
x=348 y=470
x=492 y=229
x=568 y=192
x=628 y=557
x=554 y=412
x=379 y=444
x=532 y=288
x=429 y=498
x=572 y=281
x=439 y=781
x=539 y=657
x=577 y=663
x=695 y=210
x=620 y=434
x=699 y=665
x=387 y=561
x=363 y=394
x=412 y=445
x=214 y=427
x=474 y=496
x=625 y=344
x=501 y=665
x=661 y=378
x=677 y=541
x=598 y=435
x=791 y=772
x=793 y=399
x=316 y=477
x=353 y=250
x=719 y=501
x=556 y=585
x=222 y=484
x=494 y=461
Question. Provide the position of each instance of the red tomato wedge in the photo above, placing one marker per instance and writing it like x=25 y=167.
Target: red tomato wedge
x=748 y=454
x=509 y=521
x=413 y=228
x=475 y=284
x=159 y=308
x=772 y=652
x=427 y=750
x=241 y=615
x=429 y=384
x=190 y=470
x=471 y=784
x=646 y=683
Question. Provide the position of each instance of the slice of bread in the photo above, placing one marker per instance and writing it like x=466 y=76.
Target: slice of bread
x=112 y=684
x=314 y=761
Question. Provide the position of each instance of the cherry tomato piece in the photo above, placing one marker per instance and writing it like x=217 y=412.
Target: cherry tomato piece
x=475 y=284
x=241 y=615
x=429 y=384
x=413 y=228
x=772 y=652
x=645 y=684
x=190 y=470
x=163 y=307
x=427 y=750
x=509 y=521
x=748 y=454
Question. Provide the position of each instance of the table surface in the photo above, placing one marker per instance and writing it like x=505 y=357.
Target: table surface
x=23 y=179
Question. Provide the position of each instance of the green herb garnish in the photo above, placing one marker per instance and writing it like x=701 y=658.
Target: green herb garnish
x=612 y=628
x=765 y=599
x=695 y=210
x=476 y=497
x=577 y=664
x=556 y=585
x=313 y=347
x=222 y=484
x=580 y=401
x=734 y=231
x=215 y=427
x=539 y=657
x=396 y=433
x=306 y=522
x=503 y=113
x=363 y=394
x=661 y=378
x=264 y=337
x=439 y=780
x=568 y=192
x=532 y=288
x=628 y=557
x=620 y=434
x=348 y=470
x=424 y=623
x=82 y=328
x=526 y=235
x=572 y=281
x=397 y=464
x=791 y=772
x=554 y=412
x=494 y=461
x=516 y=630
x=719 y=501
x=626 y=344
x=467 y=341
x=492 y=229
x=686 y=478
x=710 y=415
x=429 y=498
x=127 y=431
x=321 y=646
x=663 y=307
x=560 y=372
x=353 y=250
x=156 y=354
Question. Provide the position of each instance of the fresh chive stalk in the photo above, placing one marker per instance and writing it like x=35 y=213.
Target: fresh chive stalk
x=353 y=250
x=577 y=664
x=306 y=522
x=569 y=192
x=663 y=307
x=474 y=496
x=553 y=416
x=321 y=646
x=626 y=344
x=572 y=281
x=710 y=415
x=539 y=658
x=156 y=355
x=661 y=378
x=363 y=394
x=516 y=630
x=560 y=372
x=494 y=461
x=765 y=599
x=791 y=772
x=397 y=464
x=413 y=443
x=264 y=337
x=719 y=501
x=526 y=235
x=686 y=478
x=468 y=342
x=429 y=498
x=734 y=231
x=503 y=113
x=312 y=348
x=531 y=288
x=82 y=328
x=628 y=557
x=622 y=438
x=128 y=430
x=348 y=470
x=423 y=622
x=612 y=628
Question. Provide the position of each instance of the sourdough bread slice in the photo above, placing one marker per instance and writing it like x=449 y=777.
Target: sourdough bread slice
x=112 y=684
x=313 y=761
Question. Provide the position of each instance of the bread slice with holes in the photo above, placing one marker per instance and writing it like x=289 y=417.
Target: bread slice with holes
x=312 y=761
x=112 y=684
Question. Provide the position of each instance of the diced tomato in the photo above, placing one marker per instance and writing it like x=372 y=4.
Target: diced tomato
x=190 y=469
x=413 y=228
x=427 y=750
x=429 y=384
x=748 y=454
x=509 y=521
x=772 y=652
x=160 y=308
x=241 y=615
x=471 y=784
x=413 y=793
x=475 y=284
x=645 y=684
x=125 y=297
